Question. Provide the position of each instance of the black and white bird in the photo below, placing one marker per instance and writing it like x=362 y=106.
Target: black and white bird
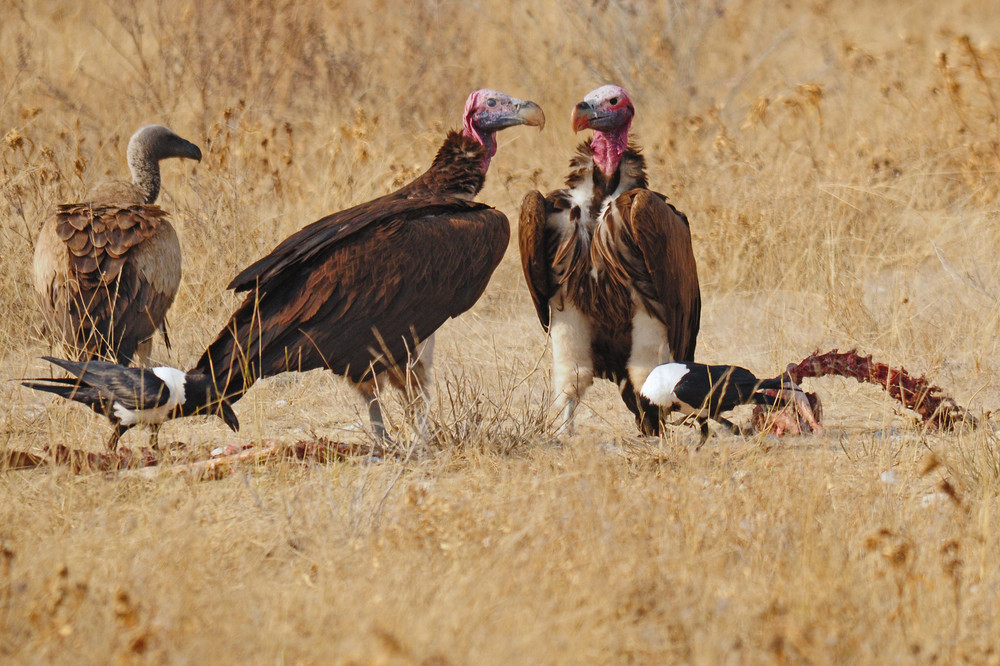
x=134 y=396
x=704 y=392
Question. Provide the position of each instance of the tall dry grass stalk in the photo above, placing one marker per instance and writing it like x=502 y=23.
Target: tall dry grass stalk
x=838 y=162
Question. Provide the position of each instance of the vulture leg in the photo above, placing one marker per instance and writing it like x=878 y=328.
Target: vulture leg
x=423 y=372
x=163 y=330
x=416 y=387
x=368 y=391
x=375 y=416
x=573 y=369
x=414 y=382
x=649 y=346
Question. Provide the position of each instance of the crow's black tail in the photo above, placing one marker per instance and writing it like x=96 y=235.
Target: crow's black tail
x=65 y=387
x=69 y=388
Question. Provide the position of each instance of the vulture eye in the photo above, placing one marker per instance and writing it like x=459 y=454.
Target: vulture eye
x=613 y=101
x=491 y=102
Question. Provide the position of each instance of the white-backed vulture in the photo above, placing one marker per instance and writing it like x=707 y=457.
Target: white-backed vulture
x=107 y=270
x=610 y=266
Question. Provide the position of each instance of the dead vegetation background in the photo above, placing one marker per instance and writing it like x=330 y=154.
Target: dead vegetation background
x=838 y=161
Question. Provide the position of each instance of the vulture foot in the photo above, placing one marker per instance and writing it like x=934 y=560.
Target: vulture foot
x=565 y=427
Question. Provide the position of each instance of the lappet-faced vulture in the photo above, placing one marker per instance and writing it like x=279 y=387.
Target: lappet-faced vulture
x=610 y=266
x=107 y=270
x=361 y=292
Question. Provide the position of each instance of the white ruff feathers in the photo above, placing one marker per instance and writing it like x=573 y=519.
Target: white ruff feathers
x=573 y=367
x=649 y=346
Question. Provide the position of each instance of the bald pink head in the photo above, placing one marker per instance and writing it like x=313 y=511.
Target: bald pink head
x=609 y=112
x=489 y=111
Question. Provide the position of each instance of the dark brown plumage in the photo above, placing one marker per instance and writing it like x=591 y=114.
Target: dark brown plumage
x=358 y=292
x=400 y=265
x=610 y=266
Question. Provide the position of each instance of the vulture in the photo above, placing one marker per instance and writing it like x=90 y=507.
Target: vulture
x=131 y=396
x=705 y=391
x=362 y=291
x=610 y=266
x=106 y=270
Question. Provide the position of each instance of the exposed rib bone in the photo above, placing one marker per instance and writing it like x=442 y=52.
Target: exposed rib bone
x=915 y=393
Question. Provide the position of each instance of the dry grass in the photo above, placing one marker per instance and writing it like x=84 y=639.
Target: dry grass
x=839 y=163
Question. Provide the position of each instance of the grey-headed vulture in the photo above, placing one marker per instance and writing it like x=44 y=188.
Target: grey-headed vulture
x=610 y=266
x=107 y=270
x=361 y=292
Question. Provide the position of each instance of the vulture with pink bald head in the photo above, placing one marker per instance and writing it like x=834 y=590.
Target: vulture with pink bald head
x=610 y=266
x=361 y=292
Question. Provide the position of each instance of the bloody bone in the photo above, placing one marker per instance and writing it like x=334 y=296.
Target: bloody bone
x=78 y=461
x=796 y=412
x=915 y=393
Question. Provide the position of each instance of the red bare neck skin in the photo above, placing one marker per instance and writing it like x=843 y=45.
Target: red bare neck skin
x=608 y=148
x=488 y=141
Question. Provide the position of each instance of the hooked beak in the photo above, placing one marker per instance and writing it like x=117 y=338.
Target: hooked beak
x=190 y=151
x=531 y=114
x=177 y=146
x=583 y=113
x=525 y=112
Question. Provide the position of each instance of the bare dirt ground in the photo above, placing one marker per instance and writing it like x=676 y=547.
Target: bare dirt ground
x=839 y=164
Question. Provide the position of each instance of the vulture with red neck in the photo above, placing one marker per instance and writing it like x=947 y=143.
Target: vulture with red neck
x=610 y=266
x=361 y=292
x=107 y=270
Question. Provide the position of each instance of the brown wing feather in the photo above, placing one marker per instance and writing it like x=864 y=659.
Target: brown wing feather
x=454 y=177
x=109 y=282
x=361 y=305
x=534 y=254
x=315 y=239
x=655 y=253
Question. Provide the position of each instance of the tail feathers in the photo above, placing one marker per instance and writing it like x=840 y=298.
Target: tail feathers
x=64 y=387
x=75 y=368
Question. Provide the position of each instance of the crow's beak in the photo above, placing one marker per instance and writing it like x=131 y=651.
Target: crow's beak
x=227 y=414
